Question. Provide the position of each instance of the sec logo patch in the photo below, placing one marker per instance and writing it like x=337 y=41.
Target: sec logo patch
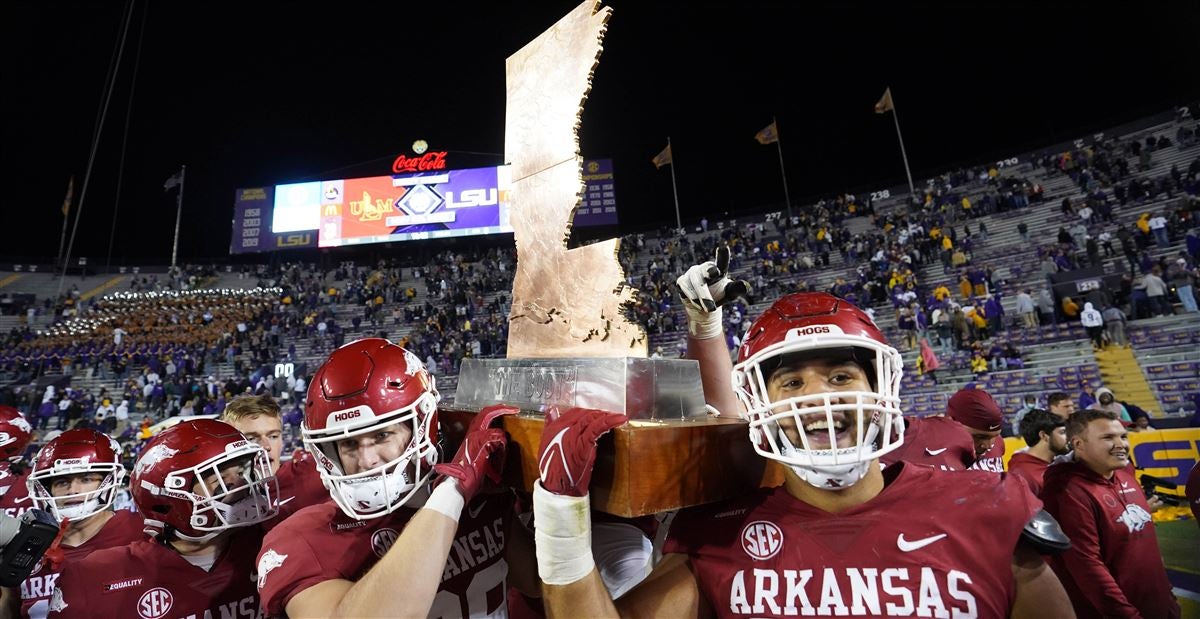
x=382 y=540
x=762 y=539
x=155 y=603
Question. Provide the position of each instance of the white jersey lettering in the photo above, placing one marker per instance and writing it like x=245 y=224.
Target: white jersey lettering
x=854 y=591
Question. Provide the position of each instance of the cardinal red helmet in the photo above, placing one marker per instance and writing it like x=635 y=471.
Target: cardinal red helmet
x=15 y=432
x=76 y=452
x=367 y=386
x=203 y=477
x=816 y=325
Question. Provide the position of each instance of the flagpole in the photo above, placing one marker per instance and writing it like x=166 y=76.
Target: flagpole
x=912 y=193
x=66 y=216
x=674 y=189
x=178 y=213
x=782 y=170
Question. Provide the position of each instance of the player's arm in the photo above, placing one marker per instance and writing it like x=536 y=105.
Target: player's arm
x=10 y=602
x=418 y=557
x=571 y=584
x=703 y=289
x=1039 y=593
x=1083 y=562
x=670 y=590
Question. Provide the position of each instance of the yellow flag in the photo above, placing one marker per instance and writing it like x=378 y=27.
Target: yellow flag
x=663 y=158
x=769 y=134
x=70 y=193
x=885 y=102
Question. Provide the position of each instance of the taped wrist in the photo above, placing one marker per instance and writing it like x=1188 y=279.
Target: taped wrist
x=446 y=499
x=563 y=535
x=704 y=325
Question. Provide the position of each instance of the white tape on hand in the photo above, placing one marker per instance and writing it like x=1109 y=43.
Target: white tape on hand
x=563 y=536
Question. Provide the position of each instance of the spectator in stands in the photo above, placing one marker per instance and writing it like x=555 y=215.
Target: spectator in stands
x=1030 y=403
x=1158 y=227
x=979 y=364
x=1026 y=309
x=927 y=361
x=1114 y=324
x=1141 y=423
x=1156 y=293
x=1087 y=396
x=1106 y=401
x=1070 y=308
x=1046 y=311
x=1061 y=404
x=1184 y=279
x=1094 y=323
x=1046 y=435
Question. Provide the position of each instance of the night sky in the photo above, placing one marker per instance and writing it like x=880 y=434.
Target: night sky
x=251 y=94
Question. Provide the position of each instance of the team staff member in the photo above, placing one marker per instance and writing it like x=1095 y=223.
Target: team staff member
x=841 y=537
x=258 y=418
x=1114 y=567
x=203 y=489
x=1046 y=435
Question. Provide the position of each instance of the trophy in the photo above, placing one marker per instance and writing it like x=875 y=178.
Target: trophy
x=570 y=342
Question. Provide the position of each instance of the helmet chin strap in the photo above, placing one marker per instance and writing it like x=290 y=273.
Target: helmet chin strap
x=828 y=477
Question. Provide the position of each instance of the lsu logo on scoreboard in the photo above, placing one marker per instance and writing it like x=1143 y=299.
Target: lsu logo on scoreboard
x=294 y=240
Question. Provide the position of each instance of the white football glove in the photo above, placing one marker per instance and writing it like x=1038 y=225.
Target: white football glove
x=704 y=288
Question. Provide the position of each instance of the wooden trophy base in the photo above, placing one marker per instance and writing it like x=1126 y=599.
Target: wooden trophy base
x=645 y=466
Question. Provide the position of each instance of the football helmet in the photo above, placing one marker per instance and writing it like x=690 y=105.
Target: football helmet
x=819 y=325
x=15 y=433
x=203 y=477
x=72 y=453
x=363 y=387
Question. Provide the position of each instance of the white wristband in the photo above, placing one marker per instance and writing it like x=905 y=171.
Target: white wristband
x=705 y=325
x=563 y=534
x=446 y=500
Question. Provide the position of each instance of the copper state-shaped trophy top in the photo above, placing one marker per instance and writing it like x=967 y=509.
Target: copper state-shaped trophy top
x=566 y=303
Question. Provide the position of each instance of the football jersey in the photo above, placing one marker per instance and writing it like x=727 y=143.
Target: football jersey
x=149 y=580
x=123 y=528
x=993 y=460
x=321 y=543
x=936 y=441
x=299 y=486
x=1030 y=468
x=14 y=494
x=932 y=543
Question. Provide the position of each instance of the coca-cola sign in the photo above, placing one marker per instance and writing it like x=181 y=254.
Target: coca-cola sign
x=429 y=161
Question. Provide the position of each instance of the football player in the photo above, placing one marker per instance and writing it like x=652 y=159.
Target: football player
x=389 y=545
x=258 y=418
x=15 y=433
x=76 y=477
x=1046 y=435
x=980 y=416
x=202 y=489
x=819 y=385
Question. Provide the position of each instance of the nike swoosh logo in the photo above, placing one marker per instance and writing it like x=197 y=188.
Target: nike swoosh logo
x=291 y=498
x=907 y=546
x=934 y=452
x=555 y=446
x=478 y=508
x=22 y=499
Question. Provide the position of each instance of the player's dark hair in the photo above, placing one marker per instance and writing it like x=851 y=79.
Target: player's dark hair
x=1037 y=421
x=1056 y=397
x=1078 y=422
